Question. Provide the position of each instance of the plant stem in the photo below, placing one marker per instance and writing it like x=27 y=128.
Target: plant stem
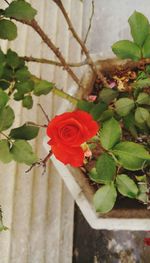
x=51 y=45
x=64 y=95
x=90 y=23
x=52 y=62
x=35 y=124
x=6 y=136
x=45 y=114
x=81 y=43
x=60 y=92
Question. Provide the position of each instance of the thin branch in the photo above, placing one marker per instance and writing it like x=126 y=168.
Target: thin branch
x=41 y=163
x=35 y=124
x=6 y=2
x=90 y=22
x=45 y=114
x=52 y=46
x=6 y=136
x=81 y=43
x=52 y=62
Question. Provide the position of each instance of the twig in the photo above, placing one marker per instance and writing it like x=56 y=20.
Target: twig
x=51 y=45
x=45 y=114
x=35 y=124
x=41 y=163
x=81 y=43
x=90 y=22
x=6 y=136
x=6 y=2
x=52 y=62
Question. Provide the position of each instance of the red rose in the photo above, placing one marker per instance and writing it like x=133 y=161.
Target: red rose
x=67 y=132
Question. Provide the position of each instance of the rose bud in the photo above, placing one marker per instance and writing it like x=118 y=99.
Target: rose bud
x=67 y=132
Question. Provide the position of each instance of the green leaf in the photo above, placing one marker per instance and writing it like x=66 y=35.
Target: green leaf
x=12 y=59
x=104 y=198
x=132 y=156
x=139 y=26
x=22 y=74
x=141 y=115
x=142 y=195
x=142 y=83
x=106 y=168
x=85 y=105
x=5 y=155
x=110 y=133
x=148 y=121
x=43 y=87
x=143 y=98
x=107 y=95
x=25 y=132
x=146 y=48
x=124 y=106
x=2 y=57
x=18 y=96
x=20 y=10
x=25 y=87
x=107 y=114
x=94 y=175
x=8 y=30
x=126 y=49
x=27 y=102
x=129 y=123
x=22 y=152
x=126 y=186
x=3 y=98
x=97 y=110
x=6 y=118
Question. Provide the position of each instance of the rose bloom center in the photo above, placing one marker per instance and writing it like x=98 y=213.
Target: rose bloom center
x=68 y=132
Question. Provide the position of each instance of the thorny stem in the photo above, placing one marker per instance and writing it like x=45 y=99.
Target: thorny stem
x=81 y=43
x=52 y=62
x=41 y=163
x=51 y=45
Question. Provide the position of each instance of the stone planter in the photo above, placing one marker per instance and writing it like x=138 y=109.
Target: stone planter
x=126 y=216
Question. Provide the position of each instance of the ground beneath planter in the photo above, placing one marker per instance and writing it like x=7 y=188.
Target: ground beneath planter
x=102 y=246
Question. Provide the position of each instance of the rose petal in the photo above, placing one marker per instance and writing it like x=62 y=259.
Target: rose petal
x=68 y=155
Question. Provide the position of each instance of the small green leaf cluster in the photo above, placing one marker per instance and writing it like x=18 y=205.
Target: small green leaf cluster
x=139 y=47
x=18 y=83
x=16 y=80
x=19 y=10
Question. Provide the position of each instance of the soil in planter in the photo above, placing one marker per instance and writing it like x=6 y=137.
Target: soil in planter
x=122 y=78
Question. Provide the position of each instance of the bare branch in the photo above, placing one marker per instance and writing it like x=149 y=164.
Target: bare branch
x=90 y=22
x=35 y=124
x=41 y=163
x=52 y=62
x=6 y=2
x=52 y=46
x=81 y=43
x=45 y=114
